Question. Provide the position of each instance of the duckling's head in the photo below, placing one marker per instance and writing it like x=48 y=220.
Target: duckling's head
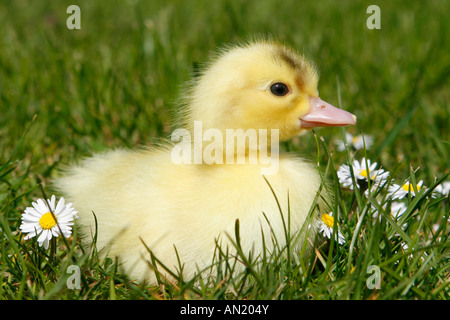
x=261 y=85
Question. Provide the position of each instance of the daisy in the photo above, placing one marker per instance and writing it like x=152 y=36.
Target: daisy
x=398 y=209
x=357 y=142
x=363 y=171
x=39 y=220
x=326 y=225
x=399 y=192
x=443 y=189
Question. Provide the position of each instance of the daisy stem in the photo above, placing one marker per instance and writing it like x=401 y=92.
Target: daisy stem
x=353 y=241
x=353 y=207
x=52 y=249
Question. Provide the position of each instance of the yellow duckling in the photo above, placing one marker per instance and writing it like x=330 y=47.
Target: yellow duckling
x=189 y=193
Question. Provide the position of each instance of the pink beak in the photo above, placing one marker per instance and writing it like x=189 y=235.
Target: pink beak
x=323 y=114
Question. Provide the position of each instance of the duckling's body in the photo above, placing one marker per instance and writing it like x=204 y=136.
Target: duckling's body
x=144 y=196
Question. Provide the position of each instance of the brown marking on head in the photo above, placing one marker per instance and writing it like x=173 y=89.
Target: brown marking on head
x=304 y=71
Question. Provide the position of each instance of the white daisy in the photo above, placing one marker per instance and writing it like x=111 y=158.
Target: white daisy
x=39 y=220
x=443 y=189
x=363 y=171
x=326 y=225
x=400 y=191
x=344 y=175
x=357 y=142
x=398 y=209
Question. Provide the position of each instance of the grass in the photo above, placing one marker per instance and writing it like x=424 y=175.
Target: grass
x=65 y=94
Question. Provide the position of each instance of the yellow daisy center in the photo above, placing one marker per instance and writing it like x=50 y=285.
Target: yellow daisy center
x=365 y=174
x=408 y=187
x=328 y=220
x=47 y=221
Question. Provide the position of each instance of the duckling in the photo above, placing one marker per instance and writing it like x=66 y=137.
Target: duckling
x=180 y=210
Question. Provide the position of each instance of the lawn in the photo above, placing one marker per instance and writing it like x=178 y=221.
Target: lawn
x=68 y=93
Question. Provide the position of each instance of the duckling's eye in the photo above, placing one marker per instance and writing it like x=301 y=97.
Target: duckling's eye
x=279 y=89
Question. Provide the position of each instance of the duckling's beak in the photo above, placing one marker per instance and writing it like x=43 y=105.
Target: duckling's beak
x=323 y=114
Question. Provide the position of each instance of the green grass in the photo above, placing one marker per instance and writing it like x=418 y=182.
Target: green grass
x=65 y=94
